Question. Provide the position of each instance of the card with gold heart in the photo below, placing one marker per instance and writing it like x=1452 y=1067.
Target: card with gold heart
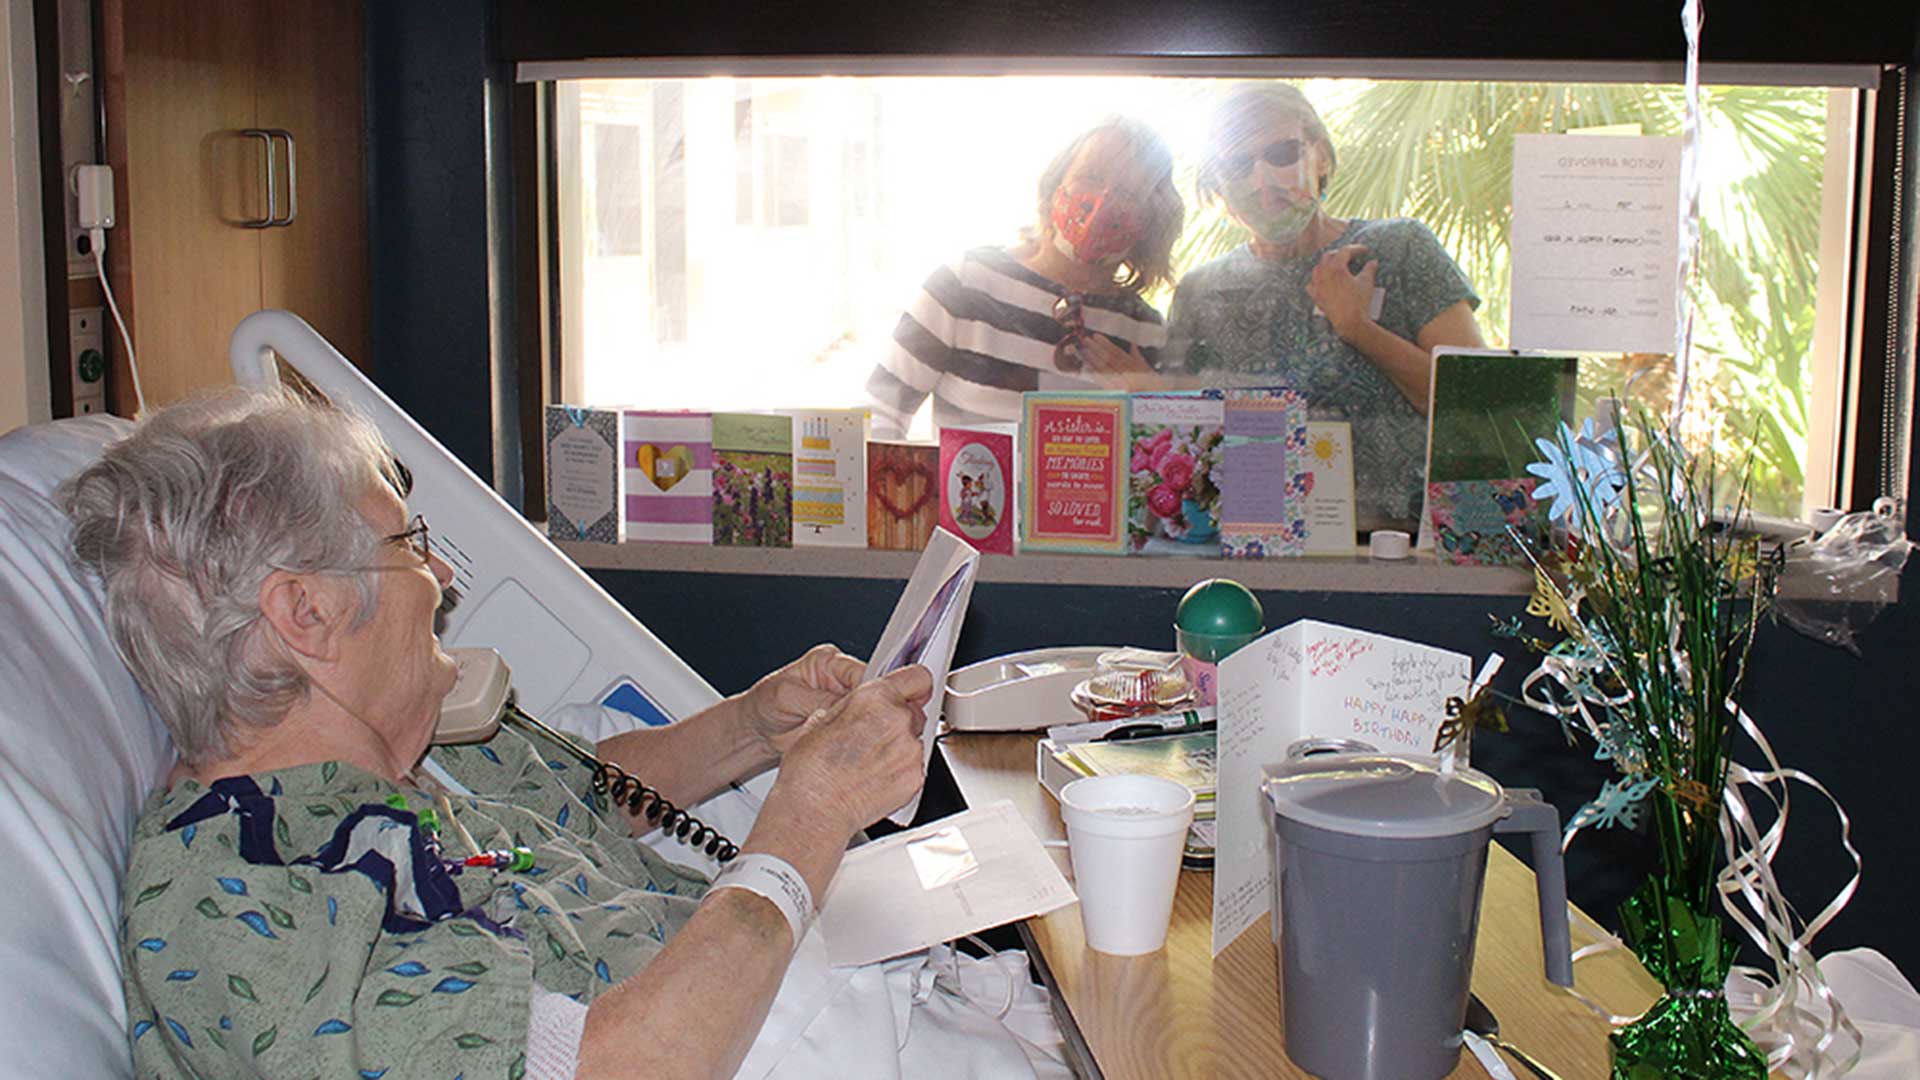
x=667 y=462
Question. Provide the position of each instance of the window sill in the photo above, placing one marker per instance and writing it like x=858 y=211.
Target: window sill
x=1357 y=573
x=1354 y=573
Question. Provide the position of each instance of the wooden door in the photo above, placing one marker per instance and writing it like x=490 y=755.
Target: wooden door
x=180 y=84
x=311 y=84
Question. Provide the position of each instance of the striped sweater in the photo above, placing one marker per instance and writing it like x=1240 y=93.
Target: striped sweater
x=980 y=333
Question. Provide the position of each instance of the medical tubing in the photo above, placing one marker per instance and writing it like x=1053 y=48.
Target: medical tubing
x=624 y=789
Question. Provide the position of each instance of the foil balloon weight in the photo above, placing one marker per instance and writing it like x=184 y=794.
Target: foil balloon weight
x=1216 y=617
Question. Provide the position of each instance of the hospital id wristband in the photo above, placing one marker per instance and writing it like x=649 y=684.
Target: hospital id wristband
x=776 y=879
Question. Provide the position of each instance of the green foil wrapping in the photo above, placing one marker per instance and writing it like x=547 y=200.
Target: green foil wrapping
x=1688 y=1034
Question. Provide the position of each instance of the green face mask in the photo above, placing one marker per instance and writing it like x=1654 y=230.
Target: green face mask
x=1280 y=225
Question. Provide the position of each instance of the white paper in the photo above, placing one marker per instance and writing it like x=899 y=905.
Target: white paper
x=941 y=881
x=924 y=628
x=1595 y=242
x=1330 y=524
x=1308 y=680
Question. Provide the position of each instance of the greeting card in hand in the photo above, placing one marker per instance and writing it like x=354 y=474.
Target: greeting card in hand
x=1307 y=680
x=924 y=628
x=976 y=488
x=1487 y=408
x=903 y=494
x=1173 y=490
x=830 y=478
x=1266 y=481
x=1073 y=472
x=668 y=459
x=585 y=483
x=752 y=480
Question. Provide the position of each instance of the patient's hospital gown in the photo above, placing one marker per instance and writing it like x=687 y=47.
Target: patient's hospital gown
x=299 y=921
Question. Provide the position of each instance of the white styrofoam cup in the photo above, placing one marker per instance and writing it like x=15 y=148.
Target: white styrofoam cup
x=1126 y=834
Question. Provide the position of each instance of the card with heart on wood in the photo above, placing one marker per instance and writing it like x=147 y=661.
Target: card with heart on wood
x=903 y=494
x=667 y=458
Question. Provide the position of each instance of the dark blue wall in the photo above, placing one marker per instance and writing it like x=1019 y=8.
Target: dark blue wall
x=427 y=69
x=1852 y=721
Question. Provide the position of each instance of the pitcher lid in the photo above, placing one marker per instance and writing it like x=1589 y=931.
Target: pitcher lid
x=1383 y=796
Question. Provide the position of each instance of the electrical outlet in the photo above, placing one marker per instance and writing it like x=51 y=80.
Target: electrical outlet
x=86 y=343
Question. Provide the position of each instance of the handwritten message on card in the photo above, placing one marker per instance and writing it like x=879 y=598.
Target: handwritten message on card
x=1309 y=680
x=1595 y=242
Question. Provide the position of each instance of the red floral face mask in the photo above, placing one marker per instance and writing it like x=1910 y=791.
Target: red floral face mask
x=1090 y=228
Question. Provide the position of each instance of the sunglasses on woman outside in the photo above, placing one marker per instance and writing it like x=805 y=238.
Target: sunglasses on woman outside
x=1279 y=155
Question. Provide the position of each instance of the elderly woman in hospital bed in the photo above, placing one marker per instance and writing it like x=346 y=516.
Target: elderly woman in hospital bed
x=303 y=897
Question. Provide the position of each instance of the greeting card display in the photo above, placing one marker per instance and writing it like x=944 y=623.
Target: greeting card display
x=1267 y=480
x=1330 y=514
x=830 y=478
x=752 y=480
x=668 y=461
x=976 y=486
x=1173 y=490
x=1310 y=680
x=1073 y=472
x=903 y=494
x=1488 y=407
x=585 y=482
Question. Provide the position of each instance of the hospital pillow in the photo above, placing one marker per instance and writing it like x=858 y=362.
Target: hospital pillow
x=79 y=750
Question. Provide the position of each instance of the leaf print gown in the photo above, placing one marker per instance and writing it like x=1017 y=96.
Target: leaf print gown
x=300 y=922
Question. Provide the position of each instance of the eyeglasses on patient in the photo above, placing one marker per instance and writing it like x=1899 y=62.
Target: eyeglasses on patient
x=1279 y=155
x=415 y=538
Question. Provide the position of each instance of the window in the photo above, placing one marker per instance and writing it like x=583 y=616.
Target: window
x=793 y=219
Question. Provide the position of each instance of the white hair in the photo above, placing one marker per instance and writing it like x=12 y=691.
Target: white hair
x=184 y=520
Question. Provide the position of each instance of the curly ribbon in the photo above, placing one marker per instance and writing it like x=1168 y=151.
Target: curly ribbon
x=1689 y=246
x=1763 y=911
x=1816 y=1041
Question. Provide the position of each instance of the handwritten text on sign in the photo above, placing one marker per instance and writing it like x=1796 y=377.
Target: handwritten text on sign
x=1595 y=241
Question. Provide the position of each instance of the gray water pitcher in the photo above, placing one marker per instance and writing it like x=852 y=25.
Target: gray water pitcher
x=1379 y=866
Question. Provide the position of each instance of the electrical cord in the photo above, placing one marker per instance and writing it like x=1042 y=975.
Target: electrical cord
x=97 y=239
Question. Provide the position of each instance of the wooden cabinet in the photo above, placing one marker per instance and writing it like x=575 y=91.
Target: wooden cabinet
x=184 y=80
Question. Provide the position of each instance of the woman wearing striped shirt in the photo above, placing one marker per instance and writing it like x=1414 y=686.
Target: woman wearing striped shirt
x=1061 y=310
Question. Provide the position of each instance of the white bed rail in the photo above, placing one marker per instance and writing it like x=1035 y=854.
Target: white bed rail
x=566 y=640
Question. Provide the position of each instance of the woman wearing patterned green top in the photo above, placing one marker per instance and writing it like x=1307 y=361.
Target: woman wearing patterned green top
x=1347 y=311
x=290 y=906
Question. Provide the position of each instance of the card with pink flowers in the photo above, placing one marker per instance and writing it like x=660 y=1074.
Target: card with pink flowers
x=1173 y=493
x=1264 y=473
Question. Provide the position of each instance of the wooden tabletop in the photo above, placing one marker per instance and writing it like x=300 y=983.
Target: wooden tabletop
x=1180 y=1013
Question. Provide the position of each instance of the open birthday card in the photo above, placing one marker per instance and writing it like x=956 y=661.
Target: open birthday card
x=1310 y=680
x=924 y=629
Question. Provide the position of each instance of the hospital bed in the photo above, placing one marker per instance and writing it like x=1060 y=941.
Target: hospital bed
x=80 y=748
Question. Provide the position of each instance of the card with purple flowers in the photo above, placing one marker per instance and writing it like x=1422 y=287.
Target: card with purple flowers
x=1264 y=475
x=1173 y=497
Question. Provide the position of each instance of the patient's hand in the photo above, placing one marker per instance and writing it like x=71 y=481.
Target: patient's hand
x=857 y=761
x=775 y=707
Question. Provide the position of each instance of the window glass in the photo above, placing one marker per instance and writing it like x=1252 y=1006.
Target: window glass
x=753 y=243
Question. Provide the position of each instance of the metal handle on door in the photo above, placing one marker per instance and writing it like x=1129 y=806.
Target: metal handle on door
x=266 y=140
x=293 y=176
